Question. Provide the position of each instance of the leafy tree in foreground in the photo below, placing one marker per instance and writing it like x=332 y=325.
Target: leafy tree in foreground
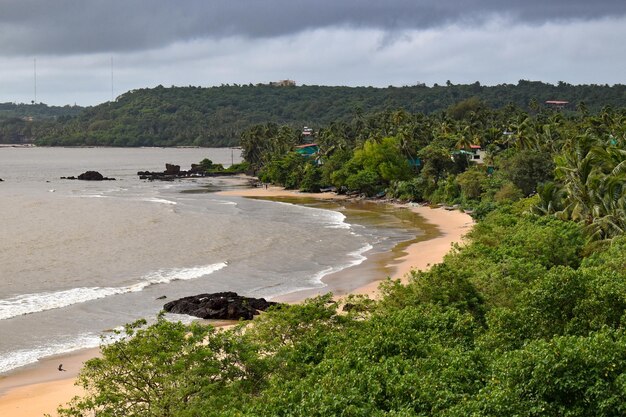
x=166 y=369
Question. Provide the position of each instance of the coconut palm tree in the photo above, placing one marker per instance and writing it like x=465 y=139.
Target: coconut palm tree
x=594 y=179
x=519 y=134
x=464 y=139
x=253 y=144
x=576 y=170
x=548 y=138
x=551 y=200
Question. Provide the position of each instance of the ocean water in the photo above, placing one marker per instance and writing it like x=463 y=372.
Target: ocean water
x=80 y=258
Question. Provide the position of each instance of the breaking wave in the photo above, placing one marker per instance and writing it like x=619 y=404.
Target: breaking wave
x=34 y=303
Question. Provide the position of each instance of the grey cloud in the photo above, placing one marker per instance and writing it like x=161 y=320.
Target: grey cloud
x=88 y=26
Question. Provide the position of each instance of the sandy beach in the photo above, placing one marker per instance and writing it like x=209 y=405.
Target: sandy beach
x=452 y=226
x=39 y=389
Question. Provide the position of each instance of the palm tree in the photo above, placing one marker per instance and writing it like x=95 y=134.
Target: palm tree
x=464 y=139
x=333 y=138
x=519 y=134
x=594 y=178
x=582 y=109
x=522 y=133
x=609 y=219
x=551 y=200
x=492 y=135
x=547 y=138
x=576 y=170
x=253 y=145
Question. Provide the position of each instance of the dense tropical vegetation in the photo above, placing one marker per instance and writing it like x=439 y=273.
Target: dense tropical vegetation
x=526 y=318
x=573 y=164
x=217 y=116
x=22 y=123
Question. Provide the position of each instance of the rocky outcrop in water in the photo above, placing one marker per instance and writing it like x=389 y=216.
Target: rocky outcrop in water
x=89 y=176
x=222 y=305
x=172 y=172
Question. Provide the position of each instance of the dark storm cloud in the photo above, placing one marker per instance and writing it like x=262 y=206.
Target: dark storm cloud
x=83 y=26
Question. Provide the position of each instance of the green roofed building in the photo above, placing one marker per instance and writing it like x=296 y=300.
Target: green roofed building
x=308 y=149
x=474 y=154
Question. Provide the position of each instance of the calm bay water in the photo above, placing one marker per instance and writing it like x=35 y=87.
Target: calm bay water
x=78 y=258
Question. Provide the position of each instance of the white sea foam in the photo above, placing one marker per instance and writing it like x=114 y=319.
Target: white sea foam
x=224 y=202
x=34 y=303
x=330 y=218
x=338 y=220
x=92 y=196
x=159 y=200
x=25 y=357
x=358 y=254
x=316 y=281
x=357 y=258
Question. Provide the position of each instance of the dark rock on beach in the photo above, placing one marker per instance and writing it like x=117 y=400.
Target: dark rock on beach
x=89 y=176
x=221 y=305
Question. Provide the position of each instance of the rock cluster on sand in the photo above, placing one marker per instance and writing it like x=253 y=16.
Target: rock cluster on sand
x=221 y=305
x=89 y=176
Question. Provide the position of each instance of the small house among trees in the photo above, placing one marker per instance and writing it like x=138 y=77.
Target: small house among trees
x=473 y=154
x=283 y=83
x=557 y=104
x=477 y=154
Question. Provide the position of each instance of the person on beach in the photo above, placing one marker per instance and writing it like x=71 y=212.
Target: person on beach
x=60 y=368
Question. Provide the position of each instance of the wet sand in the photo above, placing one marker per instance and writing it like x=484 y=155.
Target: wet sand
x=39 y=389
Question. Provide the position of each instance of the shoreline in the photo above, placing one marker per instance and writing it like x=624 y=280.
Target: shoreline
x=39 y=388
x=420 y=256
x=446 y=227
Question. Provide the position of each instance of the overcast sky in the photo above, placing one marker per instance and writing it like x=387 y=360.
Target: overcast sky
x=77 y=44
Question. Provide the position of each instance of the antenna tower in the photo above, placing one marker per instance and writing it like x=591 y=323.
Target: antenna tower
x=35 y=78
x=112 y=94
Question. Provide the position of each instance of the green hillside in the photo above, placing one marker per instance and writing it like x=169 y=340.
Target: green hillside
x=39 y=111
x=217 y=116
x=20 y=122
